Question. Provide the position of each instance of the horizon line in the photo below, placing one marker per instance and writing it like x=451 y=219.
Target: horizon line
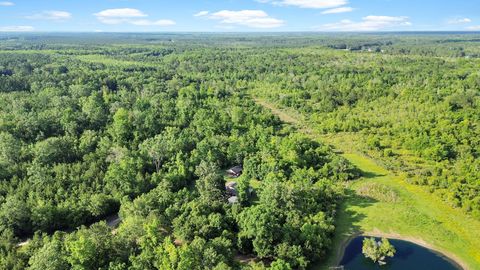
x=239 y=32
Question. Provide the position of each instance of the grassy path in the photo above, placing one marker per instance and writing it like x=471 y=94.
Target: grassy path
x=415 y=215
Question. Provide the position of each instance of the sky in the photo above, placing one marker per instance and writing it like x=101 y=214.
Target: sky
x=238 y=15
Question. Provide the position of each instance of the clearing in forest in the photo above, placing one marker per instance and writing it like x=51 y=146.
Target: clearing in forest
x=382 y=203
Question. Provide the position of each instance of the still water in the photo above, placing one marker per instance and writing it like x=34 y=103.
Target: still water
x=408 y=256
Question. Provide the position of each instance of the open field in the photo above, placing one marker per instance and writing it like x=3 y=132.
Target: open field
x=415 y=215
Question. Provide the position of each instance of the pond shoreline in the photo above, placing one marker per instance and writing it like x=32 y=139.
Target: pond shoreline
x=447 y=255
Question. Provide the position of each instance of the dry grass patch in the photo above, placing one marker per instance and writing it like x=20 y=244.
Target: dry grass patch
x=378 y=192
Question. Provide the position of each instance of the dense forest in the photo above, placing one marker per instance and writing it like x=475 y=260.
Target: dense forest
x=147 y=125
x=419 y=114
x=149 y=134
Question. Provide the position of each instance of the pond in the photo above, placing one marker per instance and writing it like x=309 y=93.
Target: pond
x=408 y=256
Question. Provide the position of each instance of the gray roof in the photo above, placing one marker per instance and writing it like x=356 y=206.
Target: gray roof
x=233 y=199
x=231 y=185
x=236 y=169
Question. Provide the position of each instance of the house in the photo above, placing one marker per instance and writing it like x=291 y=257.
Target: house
x=232 y=193
x=233 y=199
x=235 y=171
x=231 y=188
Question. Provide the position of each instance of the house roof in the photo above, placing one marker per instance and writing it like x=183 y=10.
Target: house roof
x=233 y=199
x=236 y=169
x=231 y=184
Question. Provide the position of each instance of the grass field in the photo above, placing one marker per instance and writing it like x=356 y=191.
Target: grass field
x=414 y=214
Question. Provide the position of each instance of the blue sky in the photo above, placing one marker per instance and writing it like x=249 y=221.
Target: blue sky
x=238 y=15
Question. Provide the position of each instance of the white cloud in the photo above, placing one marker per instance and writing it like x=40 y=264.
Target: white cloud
x=51 y=15
x=307 y=3
x=16 y=28
x=249 y=18
x=474 y=28
x=460 y=21
x=368 y=23
x=338 y=10
x=6 y=4
x=120 y=13
x=201 y=13
x=129 y=16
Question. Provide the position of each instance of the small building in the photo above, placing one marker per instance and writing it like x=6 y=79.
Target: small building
x=235 y=171
x=233 y=199
x=231 y=188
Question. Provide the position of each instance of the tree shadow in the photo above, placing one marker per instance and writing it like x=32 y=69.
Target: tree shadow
x=352 y=198
x=348 y=218
x=346 y=227
x=370 y=175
